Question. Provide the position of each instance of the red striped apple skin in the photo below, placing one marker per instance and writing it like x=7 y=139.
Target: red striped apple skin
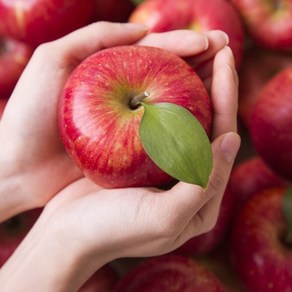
x=98 y=127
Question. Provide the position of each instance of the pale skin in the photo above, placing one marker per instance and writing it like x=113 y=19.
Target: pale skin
x=83 y=226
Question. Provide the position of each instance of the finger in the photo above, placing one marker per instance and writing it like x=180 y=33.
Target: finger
x=224 y=93
x=181 y=42
x=217 y=40
x=96 y=36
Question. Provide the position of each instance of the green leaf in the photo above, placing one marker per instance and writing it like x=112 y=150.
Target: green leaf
x=287 y=210
x=177 y=142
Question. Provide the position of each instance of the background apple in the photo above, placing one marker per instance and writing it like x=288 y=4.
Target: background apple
x=258 y=68
x=260 y=255
x=14 y=230
x=113 y=10
x=169 y=273
x=103 y=280
x=14 y=57
x=39 y=21
x=271 y=123
x=99 y=125
x=269 y=23
x=199 y=15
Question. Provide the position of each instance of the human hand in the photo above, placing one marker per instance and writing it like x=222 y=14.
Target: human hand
x=94 y=226
x=33 y=164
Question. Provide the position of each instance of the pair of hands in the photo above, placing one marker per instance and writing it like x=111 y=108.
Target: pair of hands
x=94 y=225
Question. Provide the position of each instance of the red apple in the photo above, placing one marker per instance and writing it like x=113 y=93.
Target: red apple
x=269 y=23
x=39 y=21
x=208 y=242
x=271 y=123
x=103 y=280
x=113 y=10
x=248 y=178
x=258 y=68
x=199 y=15
x=13 y=231
x=260 y=254
x=14 y=56
x=169 y=273
x=99 y=124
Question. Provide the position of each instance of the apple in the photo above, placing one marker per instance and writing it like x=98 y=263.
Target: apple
x=12 y=232
x=113 y=10
x=14 y=57
x=169 y=273
x=208 y=242
x=259 y=66
x=3 y=103
x=249 y=177
x=260 y=253
x=100 y=111
x=271 y=123
x=39 y=21
x=198 y=15
x=103 y=280
x=269 y=23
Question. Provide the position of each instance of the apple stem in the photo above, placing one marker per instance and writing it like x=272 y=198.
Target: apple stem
x=136 y=100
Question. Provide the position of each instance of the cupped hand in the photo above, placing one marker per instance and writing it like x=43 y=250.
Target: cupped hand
x=33 y=164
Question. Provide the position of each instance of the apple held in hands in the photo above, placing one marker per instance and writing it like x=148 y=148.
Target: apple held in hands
x=122 y=95
x=39 y=21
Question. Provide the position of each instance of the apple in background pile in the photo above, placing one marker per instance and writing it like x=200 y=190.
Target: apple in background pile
x=99 y=115
x=14 y=57
x=260 y=254
x=271 y=123
x=250 y=177
x=169 y=273
x=258 y=68
x=103 y=280
x=207 y=242
x=269 y=23
x=14 y=230
x=199 y=15
x=113 y=10
x=39 y=21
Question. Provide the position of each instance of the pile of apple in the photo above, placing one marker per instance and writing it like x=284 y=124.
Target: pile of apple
x=250 y=247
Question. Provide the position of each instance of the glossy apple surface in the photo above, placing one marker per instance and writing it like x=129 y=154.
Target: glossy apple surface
x=269 y=23
x=13 y=231
x=103 y=280
x=38 y=21
x=259 y=66
x=271 y=124
x=260 y=255
x=208 y=242
x=199 y=15
x=113 y=10
x=14 y=57
x=99 y=127
x=169 y=273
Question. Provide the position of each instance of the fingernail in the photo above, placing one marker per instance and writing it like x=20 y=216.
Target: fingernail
x=136 y=26
x=230 y=146
x=225 y=36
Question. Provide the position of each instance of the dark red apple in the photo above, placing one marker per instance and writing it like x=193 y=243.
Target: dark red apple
x=169 y=273
x=208 y=242
x=199 y=15
x=103 y=280
x=248 y=178
x=269 y=23
x=258 y=68
x=113 y=10
x=14 y=230
x=99 y=120
x=271 y=123
x=14 y=57
x=38 y=21
x=260 y=254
